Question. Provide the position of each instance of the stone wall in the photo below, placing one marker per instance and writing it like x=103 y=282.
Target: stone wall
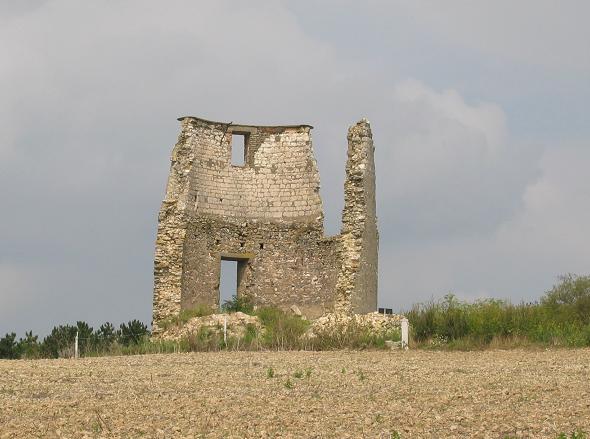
x=285 y=264
x=267 y=215
x=357 y=280
x=279 y=180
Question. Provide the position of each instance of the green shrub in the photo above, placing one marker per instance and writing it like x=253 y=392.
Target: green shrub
x=251 y=337
x=29 y=347
x=132 y=333
x=560 y=318
x=60 y=342
x=570 y=299
x=9 y=347
x=352 y=336
x=281 y=330
x=238 y=303
x=86 y=337
x=205 y=340
x=185 y=315
x=105 y=336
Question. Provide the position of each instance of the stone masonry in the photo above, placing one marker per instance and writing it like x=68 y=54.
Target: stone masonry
x=267 y=215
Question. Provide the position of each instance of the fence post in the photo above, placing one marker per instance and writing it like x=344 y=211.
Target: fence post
x=76 y=355
x=405 y=331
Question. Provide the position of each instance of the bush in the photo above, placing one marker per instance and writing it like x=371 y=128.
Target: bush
x=132 y=333
x=8 y=347
x=238 y=303
x=185 y=315
x=282 y=330
x=60 y=342
x=105 y=336
x=131 y=337
x=570 y=298
x=29 y=347
x=205 y=340
x=86 y=337
x=562 y=317
x=352 y=335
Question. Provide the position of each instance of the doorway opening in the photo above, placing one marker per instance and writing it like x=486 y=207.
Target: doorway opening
x=230 y=279
x=227 y=281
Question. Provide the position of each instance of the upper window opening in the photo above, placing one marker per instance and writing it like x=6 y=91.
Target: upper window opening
x=239 y=143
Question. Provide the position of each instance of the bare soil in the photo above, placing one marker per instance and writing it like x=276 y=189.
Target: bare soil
x=417 y=394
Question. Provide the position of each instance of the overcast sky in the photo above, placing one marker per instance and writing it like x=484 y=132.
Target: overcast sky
x=479 y=113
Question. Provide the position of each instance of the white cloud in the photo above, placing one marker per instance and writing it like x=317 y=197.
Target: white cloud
x=551 y=231
x=519 y=258
x=465 y=208
x=451 y=168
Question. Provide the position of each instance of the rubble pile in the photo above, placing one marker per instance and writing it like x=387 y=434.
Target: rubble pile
x=377 y=323
x=236 y=324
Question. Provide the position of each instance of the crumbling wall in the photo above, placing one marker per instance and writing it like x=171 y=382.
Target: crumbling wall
x=268 y=215
x=172 y=225
x=356 y=289
x=286 y=264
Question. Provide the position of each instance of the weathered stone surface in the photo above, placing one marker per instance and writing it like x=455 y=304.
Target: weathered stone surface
x=266 y=215
x=357 y=280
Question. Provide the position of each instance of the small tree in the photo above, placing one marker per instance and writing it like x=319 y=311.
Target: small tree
x=29 y=346
x=60 y=342
x=132 y=332
x=9 y=349
x=571 y=296
x=85 y=337
x=106 y=335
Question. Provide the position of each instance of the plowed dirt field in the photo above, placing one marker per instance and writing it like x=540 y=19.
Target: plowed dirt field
x=413 y=394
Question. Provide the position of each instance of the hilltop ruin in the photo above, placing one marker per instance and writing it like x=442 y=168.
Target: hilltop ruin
x=266 y=214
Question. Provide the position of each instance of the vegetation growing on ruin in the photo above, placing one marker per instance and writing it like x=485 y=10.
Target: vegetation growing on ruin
x=238 y=303
x=185 y=315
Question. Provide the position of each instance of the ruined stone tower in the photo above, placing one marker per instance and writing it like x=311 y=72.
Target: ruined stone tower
x=266 y=214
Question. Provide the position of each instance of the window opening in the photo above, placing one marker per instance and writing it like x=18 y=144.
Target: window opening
x=239 y=143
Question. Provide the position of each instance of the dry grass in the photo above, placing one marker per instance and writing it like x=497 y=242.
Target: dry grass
x=416 y=394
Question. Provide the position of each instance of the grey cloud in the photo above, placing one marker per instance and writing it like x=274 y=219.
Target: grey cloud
x=522 y=257
x=87 y=121
x=453 y=166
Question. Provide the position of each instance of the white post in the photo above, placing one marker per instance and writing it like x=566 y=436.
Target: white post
x=76 y=346
x=225 y=330
x=405 y=331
